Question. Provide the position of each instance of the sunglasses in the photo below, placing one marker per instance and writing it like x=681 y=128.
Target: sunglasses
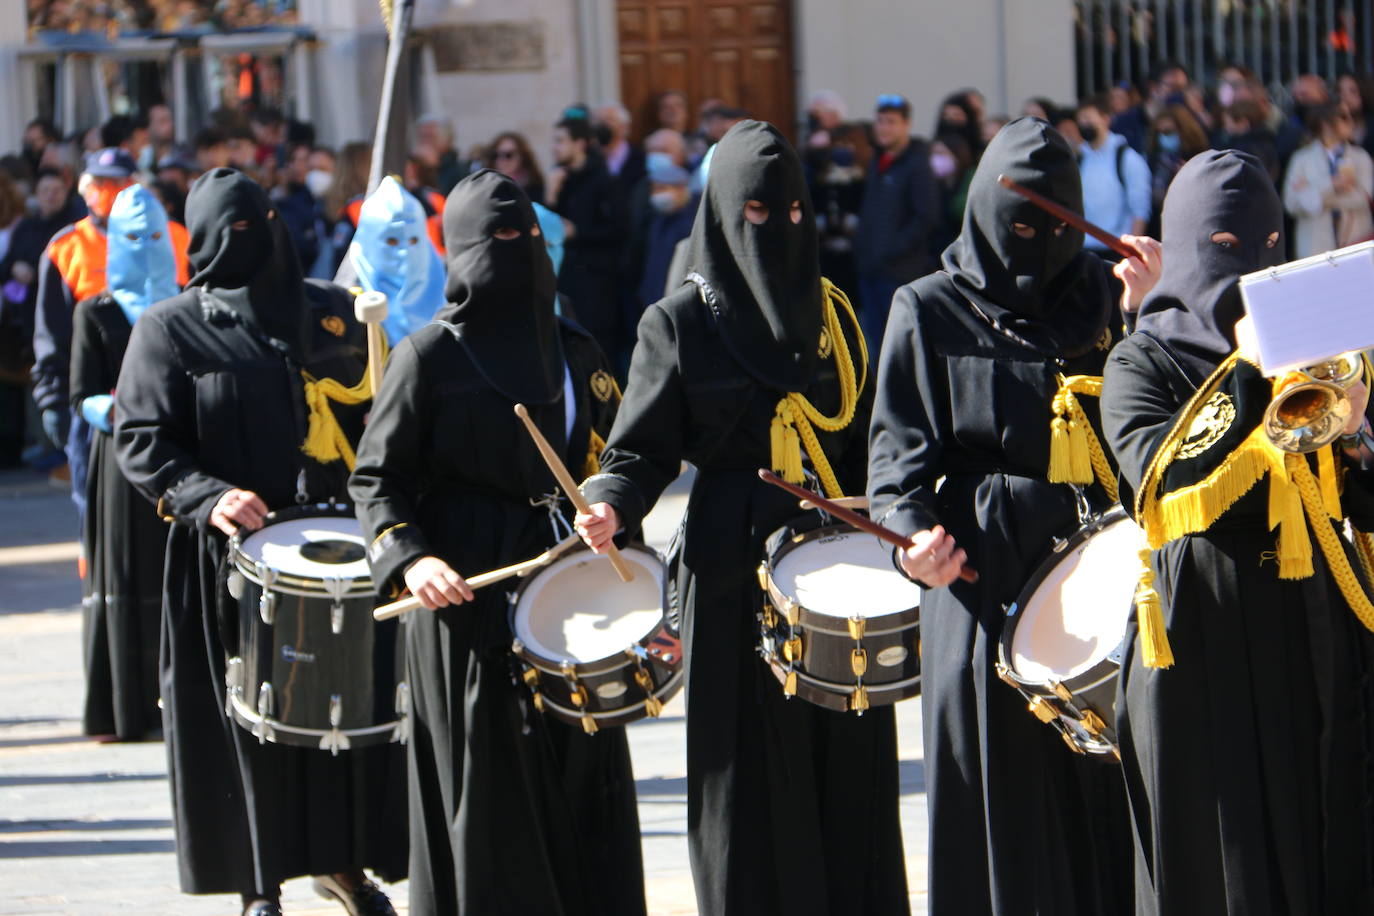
x=507 y=154
x=891 y=100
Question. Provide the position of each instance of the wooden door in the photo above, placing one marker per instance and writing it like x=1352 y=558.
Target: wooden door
x=738 y=51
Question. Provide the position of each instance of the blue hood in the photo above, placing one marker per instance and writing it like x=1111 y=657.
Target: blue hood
x=391 y=253
x=140 y=266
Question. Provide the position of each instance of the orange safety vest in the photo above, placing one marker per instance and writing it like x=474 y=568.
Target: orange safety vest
x=436 y=220
x=79 y=255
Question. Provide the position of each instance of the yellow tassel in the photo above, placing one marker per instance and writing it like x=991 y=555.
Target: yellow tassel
x=1075 y=454
x=595 y=446
x=1286 y=513
x=775 y=438
x=1155 y=651
x=1060 y=462
x=324 y=439
x=1327 y=478
x=1080 y=463
x=793 y=471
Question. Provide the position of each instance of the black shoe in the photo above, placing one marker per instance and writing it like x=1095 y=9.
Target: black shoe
x=262 y=908
x=366 y=899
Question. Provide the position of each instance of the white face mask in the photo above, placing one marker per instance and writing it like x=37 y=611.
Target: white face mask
x=319 y=181
x=942 y=164
x=664 y=201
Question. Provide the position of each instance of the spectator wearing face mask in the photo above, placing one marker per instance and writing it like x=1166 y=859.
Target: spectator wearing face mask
x=951 y=162
x=1175 y=137
x=837 y=193
x=960 y=116
x=675 y=209
x=666 y=147
x=1116 y=179
x=303 y=214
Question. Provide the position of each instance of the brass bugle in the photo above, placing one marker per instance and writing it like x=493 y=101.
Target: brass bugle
x=1313 y=406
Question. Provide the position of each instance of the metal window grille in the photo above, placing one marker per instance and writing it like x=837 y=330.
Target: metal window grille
x=1120 y=40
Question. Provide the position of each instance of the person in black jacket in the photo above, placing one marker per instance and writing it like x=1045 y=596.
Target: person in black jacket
x=510 y=811
x=585 y=195
x=901 y=208
x=211 y=413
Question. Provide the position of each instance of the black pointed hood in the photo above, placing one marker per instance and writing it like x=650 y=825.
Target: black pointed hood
x=1194 y=308
x=1045 y=290
x=501 y=291
x=254 y=269
x=764 y=281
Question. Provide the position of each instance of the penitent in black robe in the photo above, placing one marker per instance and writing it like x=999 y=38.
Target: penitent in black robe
x=123 y=541
x=511 y=811
x=1247 y=762
x=1018 y=824
x=205 y=403
x=791 y=808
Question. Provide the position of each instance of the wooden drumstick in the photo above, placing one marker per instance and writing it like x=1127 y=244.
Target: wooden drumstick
x=1070 y=217
x=370 y=308
x=560 y=473
x=849 y=502
x=830 y=507
x=406 y=605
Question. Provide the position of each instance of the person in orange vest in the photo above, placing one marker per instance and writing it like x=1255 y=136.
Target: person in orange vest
x=71 y=269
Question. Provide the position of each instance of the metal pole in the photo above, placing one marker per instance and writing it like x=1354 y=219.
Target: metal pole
x=399 y=32
x=1196 y=69
x=1367 y=39
x=1256 y=36
x=1106 y=20
x=1275 y=38
x=1326 y=40
x=1311 y=37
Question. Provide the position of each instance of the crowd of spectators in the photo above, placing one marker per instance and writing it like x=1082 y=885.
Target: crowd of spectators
x=156 y=15
x=616 y=212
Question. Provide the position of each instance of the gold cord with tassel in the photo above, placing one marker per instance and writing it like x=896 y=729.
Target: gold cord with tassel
x=1330 y=542
x=324 y=439
x=1076 y=454
x=1155 y=651
x=792 y=430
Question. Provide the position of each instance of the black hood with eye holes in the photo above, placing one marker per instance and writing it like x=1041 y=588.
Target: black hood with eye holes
x=1194 y=308
x=501 y=292
x=765 y=281
x=253 y=270
x=1044 y=290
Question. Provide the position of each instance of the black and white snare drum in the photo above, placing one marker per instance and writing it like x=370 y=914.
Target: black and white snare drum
x=1064 y=638
x=595 y=651
x=313 y=669
x=840 y=626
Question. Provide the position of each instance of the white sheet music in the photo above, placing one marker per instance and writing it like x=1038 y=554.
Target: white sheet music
x=1309 y=310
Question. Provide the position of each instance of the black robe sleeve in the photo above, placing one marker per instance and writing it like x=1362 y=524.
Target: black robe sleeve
x=1139 y=407
x=905 y=448
x=156 y=429
x=92 y=372
x=387 y=478
x=645 y=450
x=52 y=336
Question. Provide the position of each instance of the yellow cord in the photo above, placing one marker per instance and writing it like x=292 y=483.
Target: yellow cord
x=324 y=439
x=1330 y=542
x=1076 y=454
x=792 y=423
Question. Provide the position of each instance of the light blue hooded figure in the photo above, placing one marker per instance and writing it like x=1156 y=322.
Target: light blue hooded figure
x=140 y=269
x=391 y=253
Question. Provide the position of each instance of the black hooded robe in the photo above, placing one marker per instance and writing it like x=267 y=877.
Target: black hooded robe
x=123 y=541
x=791 y=808
x=207 y=401
x=1018 y=824
x=511 y=811
x=1248 y=761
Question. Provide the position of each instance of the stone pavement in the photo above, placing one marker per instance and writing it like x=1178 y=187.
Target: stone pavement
x=85 y=829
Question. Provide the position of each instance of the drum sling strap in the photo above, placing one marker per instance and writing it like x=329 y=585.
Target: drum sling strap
x=792 y=422
x=1301 y=504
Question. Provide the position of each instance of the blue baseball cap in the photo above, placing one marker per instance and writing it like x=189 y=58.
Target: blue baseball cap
x=110 y=162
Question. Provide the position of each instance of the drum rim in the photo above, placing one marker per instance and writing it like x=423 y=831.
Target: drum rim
x=608 y=663
x=573 y=716
x=812 y=689
x=1105 y=667
x=292 y=583
x=816 y=621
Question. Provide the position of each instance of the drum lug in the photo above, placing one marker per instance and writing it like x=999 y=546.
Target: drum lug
x=267 y=602
x=335 y=740
x=336 y=618
x=857 y=625
x=792 y=611
x=401 y=733
x=1093 y=723
x=789 y=686
x=234 y=583
x=262 y=729
x=588 y=723
x=792 y=650
x=763 y=576
x=1061 y=691
x=770 y=616
x=1043 y=710
x=858 y=662
x=652 y=705
x=858 y=700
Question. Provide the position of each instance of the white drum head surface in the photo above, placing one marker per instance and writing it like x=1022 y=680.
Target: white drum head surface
x=577 y=609
x=849 y=574
x=1077 y=616
x=325 y=547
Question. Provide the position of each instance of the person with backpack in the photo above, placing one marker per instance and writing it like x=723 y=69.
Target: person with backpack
x=1116 y=179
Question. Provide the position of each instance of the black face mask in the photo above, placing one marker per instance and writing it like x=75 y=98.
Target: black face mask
x=501 y=291
x=1044 y=290
x=1194 y=308
x=764 y=281
x=1089 y=132
x=254 y=270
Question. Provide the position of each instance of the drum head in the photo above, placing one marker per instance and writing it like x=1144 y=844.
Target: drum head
x=1077 y=615
x=577 y=609
x=847 y=574
x=323 y=547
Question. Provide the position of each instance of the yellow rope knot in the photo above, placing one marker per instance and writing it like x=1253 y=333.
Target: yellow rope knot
x=1076 y=454
x=324 y=438
x=791 y=428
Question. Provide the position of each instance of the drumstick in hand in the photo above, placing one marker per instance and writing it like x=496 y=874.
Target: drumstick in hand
x=1070 y=217
x=830 y=507
x=406 y=605
x=560 y=473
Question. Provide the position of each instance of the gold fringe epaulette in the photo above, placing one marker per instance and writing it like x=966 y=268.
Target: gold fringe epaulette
x=791 y=429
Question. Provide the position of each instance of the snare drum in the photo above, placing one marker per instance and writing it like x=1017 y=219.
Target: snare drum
x=313 y=669
x=840 y=626
x=1064 y=638
x=595 y=651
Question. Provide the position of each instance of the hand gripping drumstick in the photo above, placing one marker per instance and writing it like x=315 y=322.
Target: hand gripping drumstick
x=560 y=472
x=1070 y=217
x=406 y=605
x=830 y=507
x=370 y=309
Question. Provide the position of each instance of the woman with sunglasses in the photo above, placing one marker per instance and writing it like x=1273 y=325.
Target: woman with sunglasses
x=1328 y=186
x=511 y=155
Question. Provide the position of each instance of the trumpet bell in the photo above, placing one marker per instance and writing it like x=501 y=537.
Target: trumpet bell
x=1308 y=415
